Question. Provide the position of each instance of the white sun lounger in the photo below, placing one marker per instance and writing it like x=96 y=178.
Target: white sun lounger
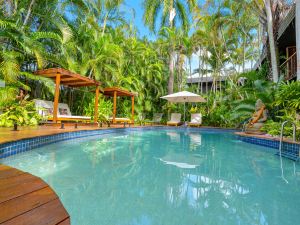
x=175 y=120
x=45 y=109
x=157 y=117
x=120 y=120
x=196 y=120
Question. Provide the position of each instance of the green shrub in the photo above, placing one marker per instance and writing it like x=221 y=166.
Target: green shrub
x=23 y=114
x=274 y=128
x=105 y=109
x=288 y=95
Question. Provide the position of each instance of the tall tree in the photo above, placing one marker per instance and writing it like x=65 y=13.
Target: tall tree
x=169 y=11
x=271 y=40
x=270 y=13
x=298 y=37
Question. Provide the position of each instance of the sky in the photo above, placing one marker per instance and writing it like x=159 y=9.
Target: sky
x=139 y=11
x=136 y=5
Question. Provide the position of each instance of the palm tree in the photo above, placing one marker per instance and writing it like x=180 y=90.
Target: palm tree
x=189 y=49
x=168 y=11
x=270 y=13
x=298 y=37
x=31 y=5
x=271 y=40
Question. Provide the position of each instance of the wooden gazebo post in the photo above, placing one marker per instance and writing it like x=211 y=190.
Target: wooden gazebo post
x=132 y=108
x=96 y=105
x=115 y=107
x=56 y=97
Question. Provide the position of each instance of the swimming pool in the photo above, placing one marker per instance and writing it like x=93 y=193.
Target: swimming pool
x=168 y=177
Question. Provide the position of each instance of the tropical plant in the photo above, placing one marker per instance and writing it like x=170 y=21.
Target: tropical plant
x=19 y=113
x=288 y=96
x=273 y=128
x=168 y=11
x=95 y=39
x=105 y=108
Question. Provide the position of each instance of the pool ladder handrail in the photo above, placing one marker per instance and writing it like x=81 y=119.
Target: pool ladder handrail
x=280 y=143
x=281 y=133
x=245 y=124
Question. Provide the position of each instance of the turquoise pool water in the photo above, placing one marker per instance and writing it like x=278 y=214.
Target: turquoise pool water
x=167 y=177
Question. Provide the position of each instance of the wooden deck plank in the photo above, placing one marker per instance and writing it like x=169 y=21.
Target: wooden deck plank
x=51 y=213
x=6 y=171
x=27 y=200
x=25 y=203
x=65 y=222
x=16 y=186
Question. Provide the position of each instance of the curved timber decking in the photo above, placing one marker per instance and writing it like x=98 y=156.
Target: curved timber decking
x=28 y=200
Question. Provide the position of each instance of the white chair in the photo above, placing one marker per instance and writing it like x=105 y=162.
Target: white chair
x=157 y=117
x=120 y=120
x=196 y=120
x=175 y=120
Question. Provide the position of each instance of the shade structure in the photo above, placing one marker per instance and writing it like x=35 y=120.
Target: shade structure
x=183 y=97
x=116 y=91
x=67 y=78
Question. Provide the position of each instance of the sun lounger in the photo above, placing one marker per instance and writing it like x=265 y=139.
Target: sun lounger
x=120 y=120
x=175 y=120
x=196 y=120
x=45 y=109
x=157 y=117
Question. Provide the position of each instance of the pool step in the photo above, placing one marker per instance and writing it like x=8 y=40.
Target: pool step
x=289 y=155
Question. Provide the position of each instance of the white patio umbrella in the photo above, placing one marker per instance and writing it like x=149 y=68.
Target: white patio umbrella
x=184 y=96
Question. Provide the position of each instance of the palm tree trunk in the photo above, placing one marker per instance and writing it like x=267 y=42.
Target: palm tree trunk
x=171 y=77
x=206 y=76
x=259 y=41
x=8 y=8
x=104 y=24
x=271 y=41
x=28 y=13
x=199 y=69
x=244 y=52
x=298 y=38
x=171 y=64
x=190 y=65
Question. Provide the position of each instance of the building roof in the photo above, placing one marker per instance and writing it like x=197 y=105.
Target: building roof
x=287 y=19
x=205 y=79
x=109 y=91
x=68 y=78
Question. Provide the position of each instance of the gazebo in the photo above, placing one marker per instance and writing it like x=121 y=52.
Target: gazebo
x=115 y=92
x=69 y=79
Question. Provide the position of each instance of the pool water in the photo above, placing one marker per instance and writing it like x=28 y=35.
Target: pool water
x=167 y=177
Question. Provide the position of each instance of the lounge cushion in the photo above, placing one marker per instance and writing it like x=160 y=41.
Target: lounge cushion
x=175 y=118
x=75 y=117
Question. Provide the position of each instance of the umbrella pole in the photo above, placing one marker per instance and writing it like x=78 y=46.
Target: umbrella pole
x=184 y=114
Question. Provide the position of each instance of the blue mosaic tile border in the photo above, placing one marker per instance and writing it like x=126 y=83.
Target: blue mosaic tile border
x=289 y=148
x=16 y=147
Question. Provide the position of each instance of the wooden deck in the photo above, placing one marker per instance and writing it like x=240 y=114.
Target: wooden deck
x=7 y=135
x=27 y=200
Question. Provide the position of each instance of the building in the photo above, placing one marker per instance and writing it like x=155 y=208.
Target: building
x=207 y=82
x=287 y=46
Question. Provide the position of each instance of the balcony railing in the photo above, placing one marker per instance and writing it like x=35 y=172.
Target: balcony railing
x=289 y=68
